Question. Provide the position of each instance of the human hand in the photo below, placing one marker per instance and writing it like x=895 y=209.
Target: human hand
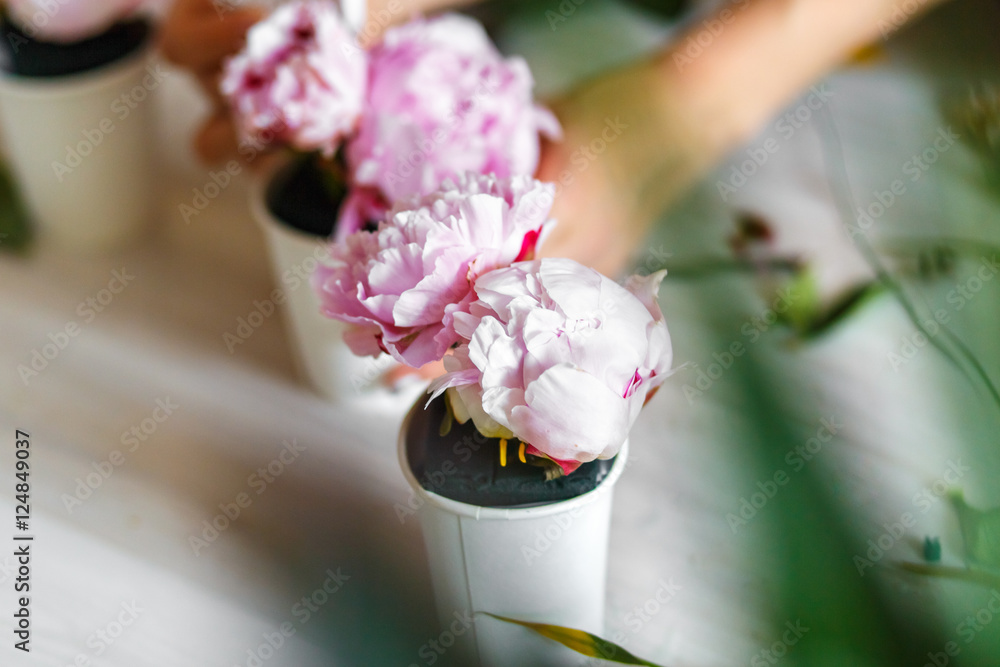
x=637 y=137
x=628 y=150
x=199 y=37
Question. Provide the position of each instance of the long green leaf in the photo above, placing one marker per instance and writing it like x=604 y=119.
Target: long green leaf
x=582 y=642
x=848 y=303
x=961 y=355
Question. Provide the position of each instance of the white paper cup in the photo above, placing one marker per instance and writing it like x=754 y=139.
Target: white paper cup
x=545 y=564
x=81 y=153
x=322 y=356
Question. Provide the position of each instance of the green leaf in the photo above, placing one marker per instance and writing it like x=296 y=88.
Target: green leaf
x=844 y=307
x=582 y=642
x=806 y=314
x=15 y=226
x=981 y=532
x=803 y=301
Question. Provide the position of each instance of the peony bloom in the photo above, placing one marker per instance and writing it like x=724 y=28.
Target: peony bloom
x=301 y=78
x=442 y=102
x=559 y=356
x=361 y=206
x=402 y=285
x=69 y=20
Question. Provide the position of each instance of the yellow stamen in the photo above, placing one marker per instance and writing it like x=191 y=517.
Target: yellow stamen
x=503 y=452
x=520 y=453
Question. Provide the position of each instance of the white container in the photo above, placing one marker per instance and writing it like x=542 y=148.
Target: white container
x=322 y=356
x=81 y=153
x=545 y=564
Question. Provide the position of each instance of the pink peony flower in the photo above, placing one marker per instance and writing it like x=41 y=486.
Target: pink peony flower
x=558 y=356
x=442 y=102
x=402 y=285
x=69 y=20
x=300 y=79
x=361 y=206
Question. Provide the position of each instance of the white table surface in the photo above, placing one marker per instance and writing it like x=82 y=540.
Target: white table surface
x=333 y=507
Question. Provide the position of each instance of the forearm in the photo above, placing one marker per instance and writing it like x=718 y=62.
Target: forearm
x=764 y=55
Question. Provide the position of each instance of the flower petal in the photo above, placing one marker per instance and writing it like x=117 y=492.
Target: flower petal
x=571 y=415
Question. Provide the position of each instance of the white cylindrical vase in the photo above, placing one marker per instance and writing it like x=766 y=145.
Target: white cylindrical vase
x=80 y=149
x=544 y=564
x=321 y=355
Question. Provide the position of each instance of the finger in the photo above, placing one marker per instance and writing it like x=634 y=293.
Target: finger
x=198 y=36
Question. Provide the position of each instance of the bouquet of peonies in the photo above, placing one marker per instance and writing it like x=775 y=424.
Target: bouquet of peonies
x=436 y=260
x=433 y=100
x=545 y=351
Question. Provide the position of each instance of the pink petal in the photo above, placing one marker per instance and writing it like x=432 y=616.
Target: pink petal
x=571 y=415
x=567 y=466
